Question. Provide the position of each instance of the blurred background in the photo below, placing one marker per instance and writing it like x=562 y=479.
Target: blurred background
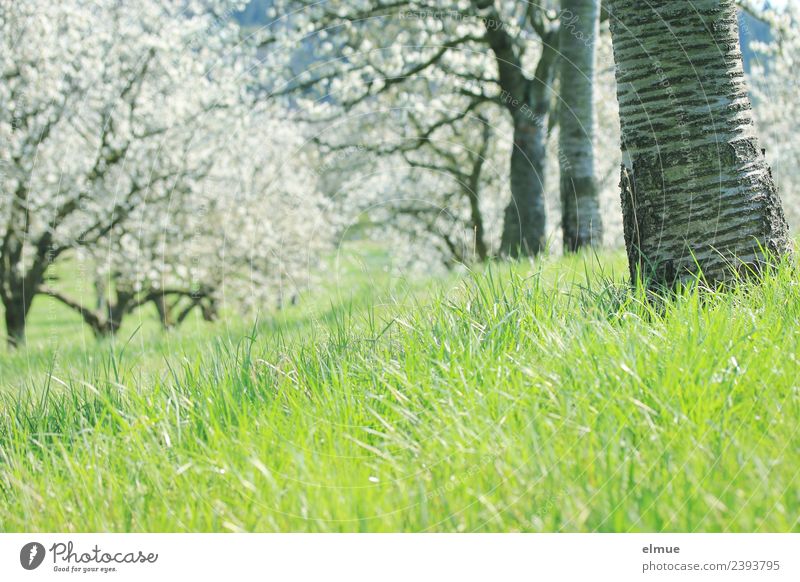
x=166 y=162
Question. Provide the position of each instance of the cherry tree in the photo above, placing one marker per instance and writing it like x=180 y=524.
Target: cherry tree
x=502 y=53
x=99 y=103
x=435 y=180
x=698 y=194
x=273 y=221
x=247 y=235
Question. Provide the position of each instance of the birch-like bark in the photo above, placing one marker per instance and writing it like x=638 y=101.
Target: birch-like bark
x=697 y=192
x=580 y=208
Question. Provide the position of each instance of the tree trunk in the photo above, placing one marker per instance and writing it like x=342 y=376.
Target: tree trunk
x=101 y=290
x=580 y=207
x=528 y=101
x=16 y=313
x=210 y=310
x=164 y=311
x=473 y=188
x=114 y=314
x=17 y=296
x=479 y=232
x=525 y=219
x=697 y=192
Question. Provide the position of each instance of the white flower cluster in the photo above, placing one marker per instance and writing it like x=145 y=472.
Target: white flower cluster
x=774 y=88
x=136 y=134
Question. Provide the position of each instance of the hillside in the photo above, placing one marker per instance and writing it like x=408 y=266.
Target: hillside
x=544 y=398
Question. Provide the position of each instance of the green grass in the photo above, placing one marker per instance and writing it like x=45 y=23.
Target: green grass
x=523 y=398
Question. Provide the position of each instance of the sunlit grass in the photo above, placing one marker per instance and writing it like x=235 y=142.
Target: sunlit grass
x=544 y=398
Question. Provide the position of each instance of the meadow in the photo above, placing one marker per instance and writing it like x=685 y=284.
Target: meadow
x=528 y=397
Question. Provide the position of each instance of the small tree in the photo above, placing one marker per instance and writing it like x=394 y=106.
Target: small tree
x=98 y=103
x=247 y=232
x=436 y=180
x=369 y=55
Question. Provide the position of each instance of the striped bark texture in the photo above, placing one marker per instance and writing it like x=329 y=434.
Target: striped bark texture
x=697 y=192
x=580 y=207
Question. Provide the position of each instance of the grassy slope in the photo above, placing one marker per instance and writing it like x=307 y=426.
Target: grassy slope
x=530 y=400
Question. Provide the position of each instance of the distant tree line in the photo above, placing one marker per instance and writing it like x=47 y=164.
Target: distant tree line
x=205 y=159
